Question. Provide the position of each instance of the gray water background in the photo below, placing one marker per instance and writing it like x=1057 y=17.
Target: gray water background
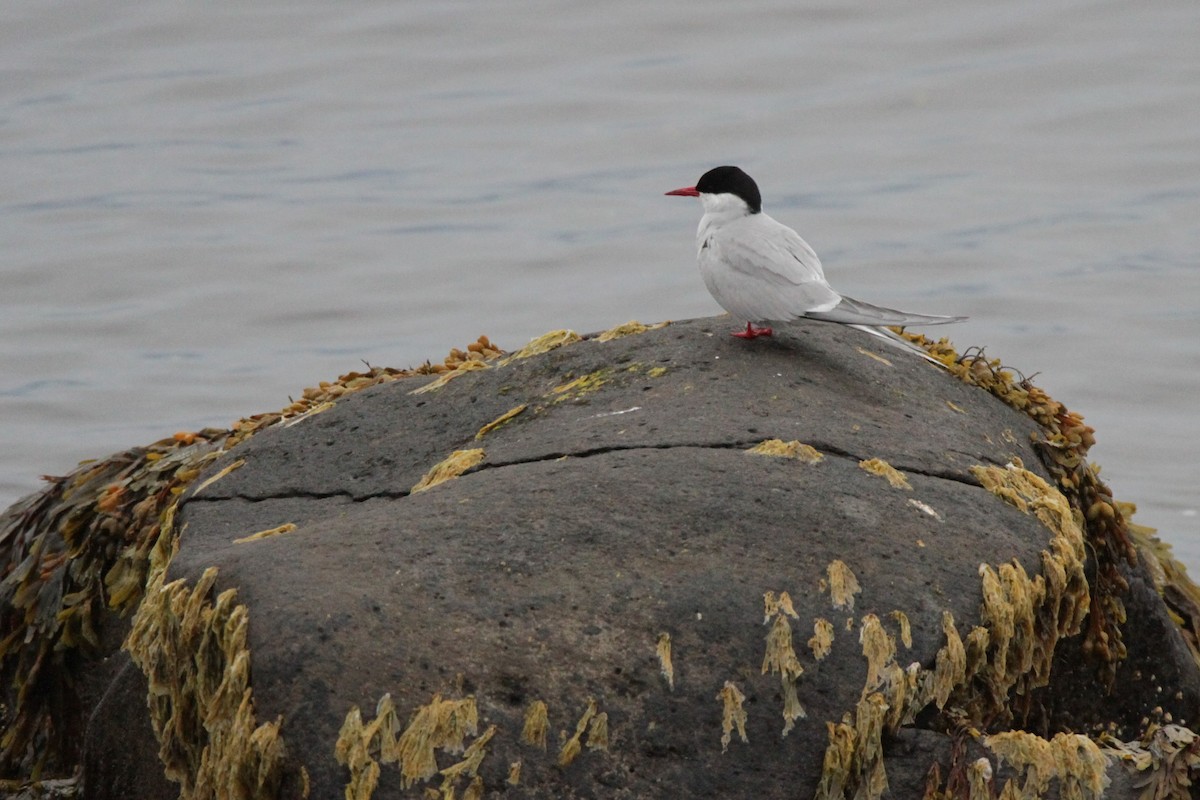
x=205 y=207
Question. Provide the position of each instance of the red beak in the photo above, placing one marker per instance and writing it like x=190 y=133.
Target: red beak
x=687 y=191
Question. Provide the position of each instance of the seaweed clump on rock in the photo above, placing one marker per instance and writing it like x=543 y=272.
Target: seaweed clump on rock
x=78 y=561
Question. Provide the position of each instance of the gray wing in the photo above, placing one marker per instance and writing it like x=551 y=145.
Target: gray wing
x=762 y=270
x=855 y=312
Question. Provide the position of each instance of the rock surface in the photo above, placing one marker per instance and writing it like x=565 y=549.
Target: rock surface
x=618 y=550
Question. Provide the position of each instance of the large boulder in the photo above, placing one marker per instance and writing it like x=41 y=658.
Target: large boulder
x=662 y=564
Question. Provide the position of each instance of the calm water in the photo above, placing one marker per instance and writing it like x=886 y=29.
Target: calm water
x=207 y=207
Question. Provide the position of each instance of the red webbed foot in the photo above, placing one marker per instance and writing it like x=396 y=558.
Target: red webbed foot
x=752 y=332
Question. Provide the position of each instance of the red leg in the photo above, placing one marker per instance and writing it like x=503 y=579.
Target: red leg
x=752 y=332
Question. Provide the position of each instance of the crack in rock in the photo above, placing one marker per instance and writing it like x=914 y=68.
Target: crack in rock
x=823 y=447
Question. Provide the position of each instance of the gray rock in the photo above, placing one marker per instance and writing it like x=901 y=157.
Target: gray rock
x=619 y=505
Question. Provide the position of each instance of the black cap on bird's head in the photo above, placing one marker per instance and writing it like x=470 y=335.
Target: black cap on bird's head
x=731 y=180
x=726 y=180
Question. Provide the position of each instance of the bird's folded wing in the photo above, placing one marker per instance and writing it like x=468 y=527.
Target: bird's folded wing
x=781 y=263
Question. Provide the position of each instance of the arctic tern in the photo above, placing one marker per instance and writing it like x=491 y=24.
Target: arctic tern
x=760 y=270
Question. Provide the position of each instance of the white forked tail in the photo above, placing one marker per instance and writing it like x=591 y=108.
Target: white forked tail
x=855 y=312
x=897 y=341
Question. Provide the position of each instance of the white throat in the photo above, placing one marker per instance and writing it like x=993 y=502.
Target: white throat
x=722 y=208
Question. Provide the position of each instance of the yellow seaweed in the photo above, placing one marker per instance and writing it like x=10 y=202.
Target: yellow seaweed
x=950 y=665
x=877 y=466
x=286 y=527
x=777 y=604
x=663 y=650
x=583 y=385
x=469 y=765
x=629 y=329
x=840 y=756
x=570 y=750
x=1074 y=761
x=793 y=449
x=353 y=750
x=503 y=419
x=780 y=656
x=878 y=647
x=537 y=723
x=441 y=724
x=193 y=650
x=454 y=465
x=543 y=344
x=732 y=714
x=905 y=627
x=597 y=735
x=821 y=642
x=446 y=377
x=843 y=585
x=875 y=356
x=221 y=474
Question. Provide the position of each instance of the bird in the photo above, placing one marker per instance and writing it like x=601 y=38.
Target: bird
x=761 y=271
